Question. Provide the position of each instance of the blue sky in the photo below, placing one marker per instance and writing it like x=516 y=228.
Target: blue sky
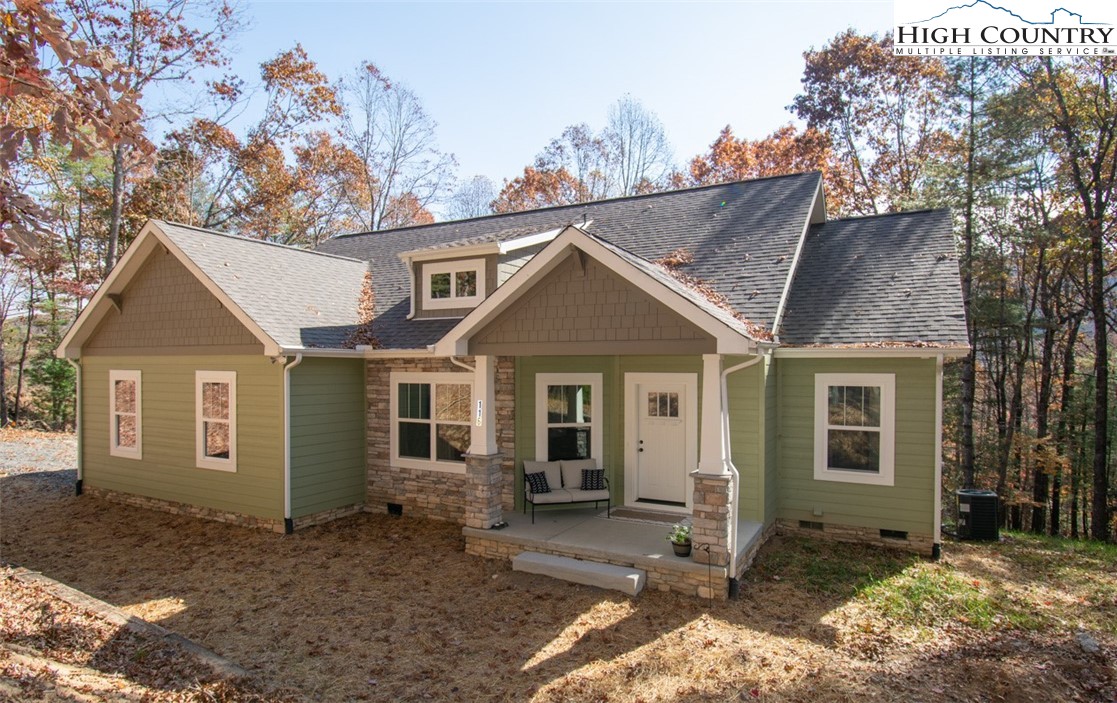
x=503 y=79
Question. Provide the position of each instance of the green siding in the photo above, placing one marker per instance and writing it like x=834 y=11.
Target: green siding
x=771 y=442
x=745 y=412
x=167 y=470
x=327 y=435
x=909 y=504
x=746 y=427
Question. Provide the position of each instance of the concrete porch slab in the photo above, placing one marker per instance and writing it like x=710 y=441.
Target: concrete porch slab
x=627 y=580
x=588 y=534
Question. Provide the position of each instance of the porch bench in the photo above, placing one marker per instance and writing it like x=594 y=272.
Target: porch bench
x=564 y=485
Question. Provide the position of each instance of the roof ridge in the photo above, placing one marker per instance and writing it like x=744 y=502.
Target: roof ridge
x=588 y=203
x=242 y=238
x=879 y=215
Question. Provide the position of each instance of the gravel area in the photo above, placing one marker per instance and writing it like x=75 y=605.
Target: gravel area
x=24 y=452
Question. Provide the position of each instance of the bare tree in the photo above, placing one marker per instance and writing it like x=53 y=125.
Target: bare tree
x=639 y=153
x=399 y=172
x=473 y=199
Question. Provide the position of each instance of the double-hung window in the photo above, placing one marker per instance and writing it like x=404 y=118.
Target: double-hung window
x=855 y=420
x=431 y=420
x=215 y=429
x=568 y=416
x=453 y=284
x=125 y=418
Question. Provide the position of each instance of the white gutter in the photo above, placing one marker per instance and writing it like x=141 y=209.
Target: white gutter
x=288 y=523
x=727 y=451
x=77 y=420
x=936 y=541
x=361 y=352
x=877 y=352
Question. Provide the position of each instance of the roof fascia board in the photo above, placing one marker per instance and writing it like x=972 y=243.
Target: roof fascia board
x=952 y=352
x=126 y=267
x=533 y=239
x=450 y=252
x=818 y=208
x=455 y=342
x=357 y=353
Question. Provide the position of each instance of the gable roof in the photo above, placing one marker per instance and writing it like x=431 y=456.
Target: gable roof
x=886 y=280
x=732 y=334
x=743 y=236
x=288 y=298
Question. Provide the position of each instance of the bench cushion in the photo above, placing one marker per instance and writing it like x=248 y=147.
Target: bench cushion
x=577 y=495
x=557 y=495
x=572 y=471
x=551 y=468
x=537 y=482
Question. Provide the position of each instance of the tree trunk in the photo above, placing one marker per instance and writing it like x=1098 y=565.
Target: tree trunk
x=969 y=363
x=26 y=344
x=1066 y=396
x=1043 y=402
x=117 y=207
x=1099 y=513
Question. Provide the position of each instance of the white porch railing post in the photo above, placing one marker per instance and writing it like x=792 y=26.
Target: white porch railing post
x=482 y=439
x=711 y=447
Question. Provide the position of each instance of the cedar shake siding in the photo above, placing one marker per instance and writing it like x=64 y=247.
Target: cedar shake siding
x=166 y=309
x=592 y=310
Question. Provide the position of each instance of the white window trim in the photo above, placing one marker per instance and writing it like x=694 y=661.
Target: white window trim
x=453 y=267
x=887 y=384
x=396 y=378
x=209 y=462
x=114 y=448
x=593 y=380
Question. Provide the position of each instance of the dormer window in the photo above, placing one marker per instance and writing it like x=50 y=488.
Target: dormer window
x=453 y=284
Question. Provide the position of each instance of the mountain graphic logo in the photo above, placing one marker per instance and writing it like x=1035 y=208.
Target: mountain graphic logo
x=1060 y=16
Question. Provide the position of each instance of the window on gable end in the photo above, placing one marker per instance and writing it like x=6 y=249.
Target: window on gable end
x=125 y=415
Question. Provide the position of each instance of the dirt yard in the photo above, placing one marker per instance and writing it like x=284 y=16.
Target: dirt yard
x=380 y=608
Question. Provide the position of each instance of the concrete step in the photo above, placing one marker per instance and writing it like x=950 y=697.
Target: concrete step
x=625 y=579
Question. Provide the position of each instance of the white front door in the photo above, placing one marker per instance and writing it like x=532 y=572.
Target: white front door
x=662 y=438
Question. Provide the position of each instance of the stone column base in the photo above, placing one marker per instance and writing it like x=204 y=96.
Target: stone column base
x=712 y=510
x=482 y=490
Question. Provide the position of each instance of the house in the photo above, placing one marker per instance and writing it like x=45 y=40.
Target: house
x=724 y=353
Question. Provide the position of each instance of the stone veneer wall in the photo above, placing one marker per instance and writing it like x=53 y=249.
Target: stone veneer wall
x=920 y=544
x=169 y=506
x=432 y=494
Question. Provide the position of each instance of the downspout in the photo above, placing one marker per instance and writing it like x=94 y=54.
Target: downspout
x=77 y=422
x=288 y=522
x=457 y=362
x=727 y=450
x=936 y=540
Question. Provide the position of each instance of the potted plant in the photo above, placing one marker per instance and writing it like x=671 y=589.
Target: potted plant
x=679 y=537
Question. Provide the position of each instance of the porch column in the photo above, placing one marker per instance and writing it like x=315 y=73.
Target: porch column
x=483 y=461
x=482 y=438
x=711 y=448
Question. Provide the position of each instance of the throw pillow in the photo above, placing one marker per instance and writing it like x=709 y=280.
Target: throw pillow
x=593 y=479
x=537 y=483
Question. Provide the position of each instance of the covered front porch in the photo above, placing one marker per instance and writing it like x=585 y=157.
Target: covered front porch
x=638 y=542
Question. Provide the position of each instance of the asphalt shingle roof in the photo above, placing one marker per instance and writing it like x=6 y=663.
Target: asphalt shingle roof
x=889 y=279
x=299 y=298
x=742 y=235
